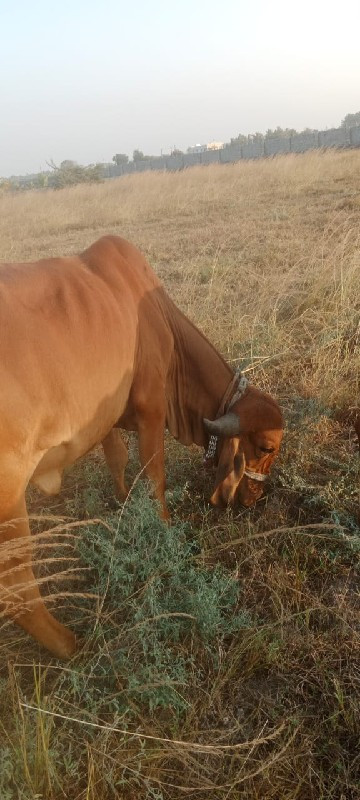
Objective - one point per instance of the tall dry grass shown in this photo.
(265, 258)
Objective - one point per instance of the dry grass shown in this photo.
(265, 258)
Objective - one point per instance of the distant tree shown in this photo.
(256, 137)
(351, 119)
(69, 173)
(68, 164)
(176, 152)
(239, 139)
(120, 158)
(283, 133)
(138, 155)
(40, 180)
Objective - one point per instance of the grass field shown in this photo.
(219, 657)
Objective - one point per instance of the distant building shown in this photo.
(215, 146)
(197, 148)
(202, 148)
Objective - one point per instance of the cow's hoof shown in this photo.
(63, 644)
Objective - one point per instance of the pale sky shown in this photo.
(83, 80)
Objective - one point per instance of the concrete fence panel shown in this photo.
(277, 145)
(175, 162)
(336, 137)
(116, 170)
(142, 166)
(158, 163)
(304, 141)
(129, 168)
(252, 150)
(355, 136)
(210, 157)
(191, 159)
(230, 154)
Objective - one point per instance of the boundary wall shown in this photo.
(299, 143)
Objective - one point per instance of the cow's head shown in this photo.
(248, 440)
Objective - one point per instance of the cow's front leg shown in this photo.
(20, 597)
(151, 427)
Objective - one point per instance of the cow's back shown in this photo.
(69, 338)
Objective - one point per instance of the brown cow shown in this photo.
(91, 343)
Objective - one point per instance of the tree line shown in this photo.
(69, 173)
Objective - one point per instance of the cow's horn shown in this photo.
(228, 425)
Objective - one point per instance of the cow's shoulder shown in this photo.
(114, 256)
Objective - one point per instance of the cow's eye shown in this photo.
(267, 449)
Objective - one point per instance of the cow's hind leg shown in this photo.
(20, 597)
(116, 456)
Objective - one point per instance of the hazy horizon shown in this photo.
(82, 81)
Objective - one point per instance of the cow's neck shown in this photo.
(198, 379)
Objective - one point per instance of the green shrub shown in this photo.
(155, 596)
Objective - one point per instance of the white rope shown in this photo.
(255, 476)
(211, 448)
(243, 383)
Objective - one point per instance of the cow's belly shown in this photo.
(48, 473)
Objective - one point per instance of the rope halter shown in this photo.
(255, 476)
(239, 383)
